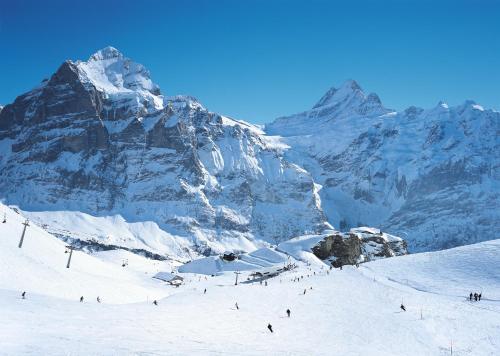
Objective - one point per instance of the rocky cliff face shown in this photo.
(98, 137)
(431, 176)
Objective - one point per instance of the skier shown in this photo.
(23, 295)
(205, 291)
(341, 268)
(479, 296)
(288, 312)
(98, 299)
(155, 302)
(237, 306)
(402, 307)
(265, 283)
(270, 327)
(475, 296)
(81, 299)
(470, 296)
(305, 291)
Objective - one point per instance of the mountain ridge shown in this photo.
(100, 138)
(382, 160)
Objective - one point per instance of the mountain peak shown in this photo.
(350, 84)
(109, 70)
(351, 97)
(108, 52)
(348, 90)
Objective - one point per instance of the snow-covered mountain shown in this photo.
(97, 153)
(431, 176)
(99, 138)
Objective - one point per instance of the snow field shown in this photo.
(350, 312)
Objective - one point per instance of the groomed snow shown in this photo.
(350, 312)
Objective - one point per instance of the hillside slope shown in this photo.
(350, 311)
(39, 268)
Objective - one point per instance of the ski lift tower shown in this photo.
(236, 273)
(70, 249)
(26, 224)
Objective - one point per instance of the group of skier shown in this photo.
(98, 299)
(23, 296)
(270, 327)
(476, 296)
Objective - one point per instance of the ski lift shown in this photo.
(66, 250)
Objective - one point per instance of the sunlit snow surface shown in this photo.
(348, 312)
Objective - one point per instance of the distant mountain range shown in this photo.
(99, 138)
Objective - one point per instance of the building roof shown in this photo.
(167, 277)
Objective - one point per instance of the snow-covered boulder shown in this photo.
(358, 245)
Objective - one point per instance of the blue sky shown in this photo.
(257, 60)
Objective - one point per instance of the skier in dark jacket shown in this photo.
(81, 299)
(288, 312)
(479, 296)
(403, 307)
(270, 327)
(205, 291)
(237, 306)
(98, 300)
(470, 296)
(475, 296)
(155, 302)
(23, 295)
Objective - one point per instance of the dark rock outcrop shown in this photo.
(359, 245)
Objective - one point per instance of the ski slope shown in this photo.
(40, 267)
(350, 312)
